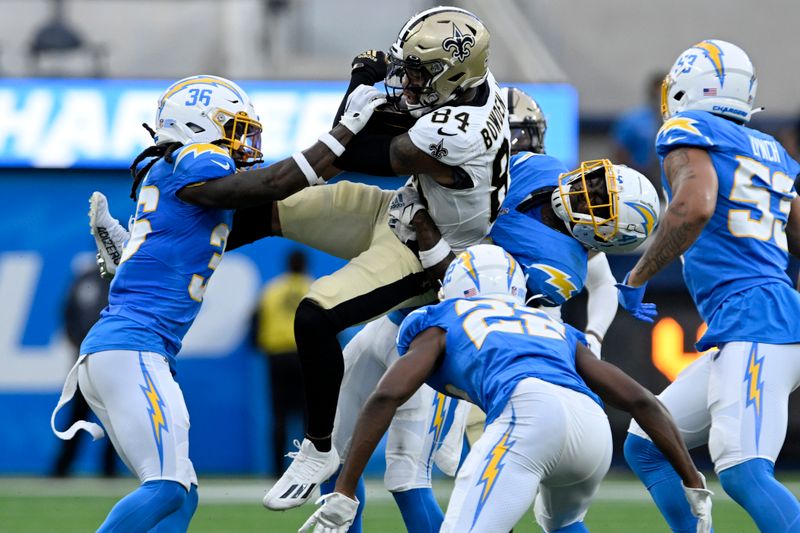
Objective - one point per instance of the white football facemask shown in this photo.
(608, 208)
(484, 270)
(714, 76)
(209, 109)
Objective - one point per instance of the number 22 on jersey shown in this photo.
(486, 316)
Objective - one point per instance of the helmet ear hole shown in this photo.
(194, 127)
(678, 96)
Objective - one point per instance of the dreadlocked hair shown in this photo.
(157, 151)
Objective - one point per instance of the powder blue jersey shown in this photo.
(491, 346)
(554, 262)
(173, 249)
(736, 270)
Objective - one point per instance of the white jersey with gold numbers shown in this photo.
(475, 140)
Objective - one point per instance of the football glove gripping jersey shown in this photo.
(109, 235)
(334, 516)
(360, 105)
(405, 204)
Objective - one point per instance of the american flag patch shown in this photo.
(710, 92)
(469, 293)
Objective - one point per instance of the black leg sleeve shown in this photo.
(323, 367)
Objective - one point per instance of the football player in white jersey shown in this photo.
(429, 426)
(457, 151)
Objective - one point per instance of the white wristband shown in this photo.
(306, 168)
(435, 255)
(332, 143)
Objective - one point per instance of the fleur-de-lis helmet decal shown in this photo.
(447, 48)
(459, 44)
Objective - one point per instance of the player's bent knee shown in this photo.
(311, 319)
(170, 494)
(642, 455)
(738, 481)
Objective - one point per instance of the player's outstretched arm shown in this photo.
(693, 180)
(619, 390)
(401, 381)
(286, 177)
(393, 155)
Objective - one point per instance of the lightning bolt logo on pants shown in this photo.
(494, 465)
(155, 408)
(437, 422)
(754, 379)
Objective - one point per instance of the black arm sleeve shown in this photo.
(357, 78)
(368, 154)
(249, 225)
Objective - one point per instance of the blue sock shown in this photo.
(178, 522)
(361, 493)
(661, 480)
(752, 485)
(575, 527)
(145, 507)
(420, 510)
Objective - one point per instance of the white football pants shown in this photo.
(548, 440)
(141, 408)
(736, 400)
(418, 434)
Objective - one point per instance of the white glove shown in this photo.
(405, 204)
(700, 502)
(336, 515)
(109, 235)
(360, 105)
(594, 344)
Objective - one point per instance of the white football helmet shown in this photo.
(714, 76)
(484, 270)
(209, 109)
(609, 208)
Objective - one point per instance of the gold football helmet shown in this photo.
(438, 55)
(526, 120)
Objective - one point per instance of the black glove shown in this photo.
(370, 66)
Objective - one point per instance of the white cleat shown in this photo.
(109, 235)
(308, 469)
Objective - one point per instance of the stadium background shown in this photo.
(70, 113)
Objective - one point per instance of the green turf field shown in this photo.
(233, 506)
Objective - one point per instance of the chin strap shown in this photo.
(756, 110)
